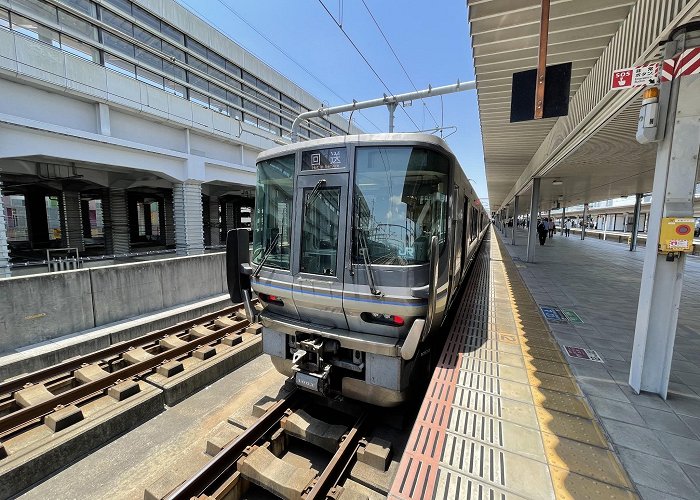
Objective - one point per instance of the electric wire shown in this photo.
(376, 23)
(340, 26)
(280, 49)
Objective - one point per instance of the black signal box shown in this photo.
(557, 85)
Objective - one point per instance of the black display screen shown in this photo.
(322, 159)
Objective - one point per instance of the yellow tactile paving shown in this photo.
(540, 353)
(546, 366)
(585, 459)
(573, 427)
(576, 449)
(553, 382)
(559, 401)
(570, 486)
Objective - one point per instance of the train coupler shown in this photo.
(311, 372)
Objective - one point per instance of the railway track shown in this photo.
(259, 457)
(93, 394)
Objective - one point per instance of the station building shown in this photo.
(131, 127)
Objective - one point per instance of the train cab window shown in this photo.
(400, 203)
(319, 243)
(273, 211)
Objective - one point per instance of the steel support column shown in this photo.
(635, 221)
(672, 196)
(515, 217)
(72, 223)
(532, 227)
(4, 248)
(585, 221)
(189, 225)
(563, 220)
(214, 224)
(116, 222)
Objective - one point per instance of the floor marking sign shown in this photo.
(572, 316)
(553, 314)
(583, 353)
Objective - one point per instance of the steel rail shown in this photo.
(340, 461)
(113, 350)
(223, 465)
(24, 416)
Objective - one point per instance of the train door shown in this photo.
(320, 226)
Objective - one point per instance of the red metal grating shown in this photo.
(418, 470)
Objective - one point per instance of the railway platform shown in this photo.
(509, 413)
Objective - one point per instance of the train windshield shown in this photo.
(273, 208)
(400, 203)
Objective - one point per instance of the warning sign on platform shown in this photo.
(639, 76)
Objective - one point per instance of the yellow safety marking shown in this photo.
(551, 367)
(570, 486)
(553, 382)
(538, 352)
(572, 427)
(580, 461)
(562, 402)
(584, 459)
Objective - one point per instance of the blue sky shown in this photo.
(431, 40)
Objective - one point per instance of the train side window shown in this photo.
(465, 226)
(273, 211)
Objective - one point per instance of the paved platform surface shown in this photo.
(503, 416)
(657, 440)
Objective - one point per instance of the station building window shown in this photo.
(53, 217)
(16, 217)
(32, 29)
(80, 49)
(84, 6)
(120, 65)
(160, 57)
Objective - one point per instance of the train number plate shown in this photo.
(305, 381)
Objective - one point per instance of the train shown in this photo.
(360, 244)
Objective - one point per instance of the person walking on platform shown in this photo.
(551, 227)
(567, 227)
(542, 230)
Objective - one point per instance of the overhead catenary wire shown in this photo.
(352, 42)
(376, 23)
(278, 48)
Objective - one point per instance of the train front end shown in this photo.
(349, 260)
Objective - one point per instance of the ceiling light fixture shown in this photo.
(557, 182)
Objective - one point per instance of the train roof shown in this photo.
(395, 138)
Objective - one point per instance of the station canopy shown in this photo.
(591, 154)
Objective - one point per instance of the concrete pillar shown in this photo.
(214, 224)
(116, 222)
(71, 223)
(169, 216)
(672, 196)
(189, 225)
(515, 217)
(4, 247)
(534, 211)
(585, 221)
(635, 221)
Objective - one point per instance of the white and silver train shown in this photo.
(360, 244)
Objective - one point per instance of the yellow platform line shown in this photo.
(579, 456)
